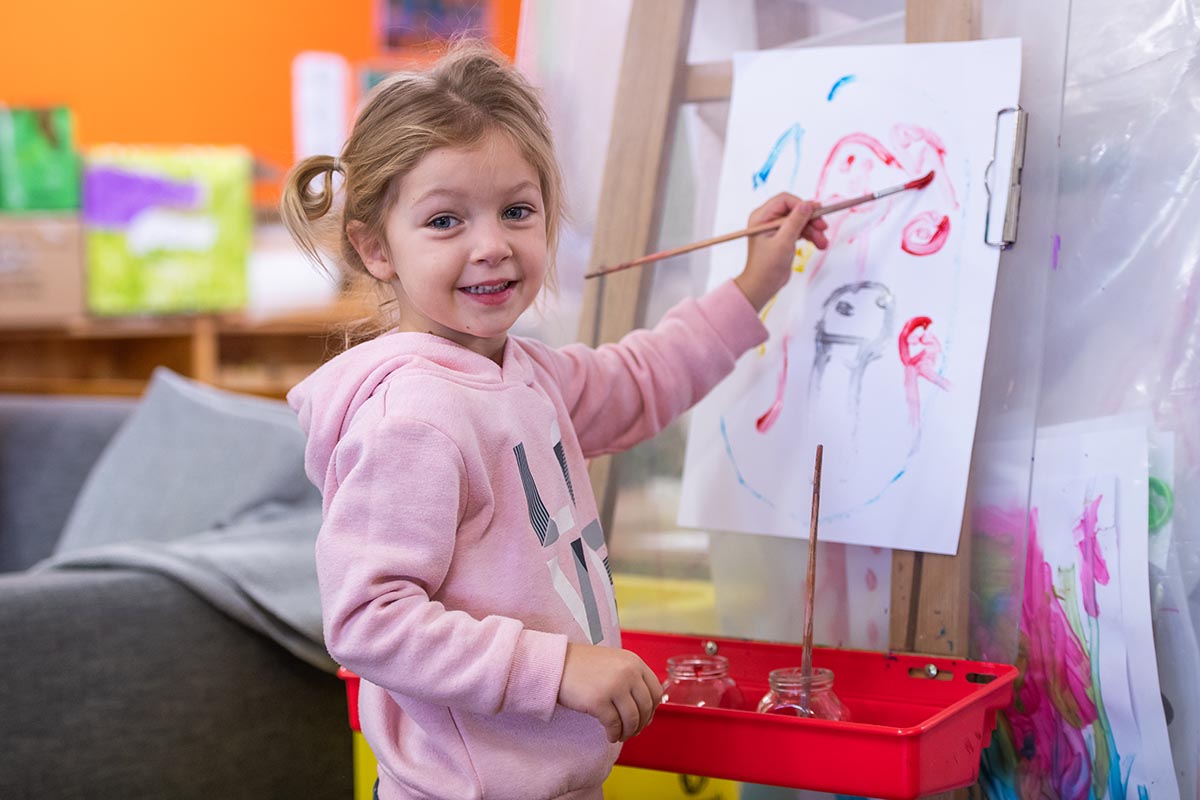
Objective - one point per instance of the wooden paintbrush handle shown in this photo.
(687, 248)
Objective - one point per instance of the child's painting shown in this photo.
(1087, 720)
(877, 344)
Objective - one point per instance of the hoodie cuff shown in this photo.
(537, 669)
(733, 318)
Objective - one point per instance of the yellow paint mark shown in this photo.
(803, 253)
(762, 348)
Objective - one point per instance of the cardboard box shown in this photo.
(41, 269)
(168, 229)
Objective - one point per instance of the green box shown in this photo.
(39, 165)
(168, 229)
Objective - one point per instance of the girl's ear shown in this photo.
(372, 250)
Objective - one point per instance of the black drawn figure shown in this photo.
(854, 330)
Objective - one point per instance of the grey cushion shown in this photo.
(47, 448)
(190, 458)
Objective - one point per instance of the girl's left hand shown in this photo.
(769, 262)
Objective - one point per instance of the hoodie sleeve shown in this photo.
(399, 492)
(624, 393)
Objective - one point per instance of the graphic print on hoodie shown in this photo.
(585, 546)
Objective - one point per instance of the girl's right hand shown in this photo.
(614, 686)
(770, 255)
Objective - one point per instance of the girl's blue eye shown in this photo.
(517, 212)
(442, 223)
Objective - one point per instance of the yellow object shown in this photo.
(366, 769)
(646, 603)
(627, 783)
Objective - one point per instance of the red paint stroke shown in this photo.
(908, 137)
(922, 236)
(841, 161)
(765, 422)
(922, 364)
(849, 171)
(1095, 569)
(873, 632)
(872, 580)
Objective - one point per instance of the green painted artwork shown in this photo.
(168, 230)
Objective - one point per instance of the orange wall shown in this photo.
(164, 72)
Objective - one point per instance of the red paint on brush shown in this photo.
(920, 183)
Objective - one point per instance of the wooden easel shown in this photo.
(930, 593)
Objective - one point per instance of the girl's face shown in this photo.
(466, 244)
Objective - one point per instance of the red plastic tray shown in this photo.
(912, 735)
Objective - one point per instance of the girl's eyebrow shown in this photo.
(439, 192)
(454, 194)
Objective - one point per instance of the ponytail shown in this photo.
(302, 206)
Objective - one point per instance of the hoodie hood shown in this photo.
(327, 400)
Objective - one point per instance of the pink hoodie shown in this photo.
(460, 549)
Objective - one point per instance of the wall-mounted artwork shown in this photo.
(411, 23)
(877, 344)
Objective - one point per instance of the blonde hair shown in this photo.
(468, 93)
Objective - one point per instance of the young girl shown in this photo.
(463, 571)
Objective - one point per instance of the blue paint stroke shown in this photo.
(1054, 255)
(741, 480)
(839, 83)
(1143, 794)
(757, 495)
(796, 134)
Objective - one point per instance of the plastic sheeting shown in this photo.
(1121, 332)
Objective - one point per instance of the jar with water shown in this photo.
(793, 694)
(701, 680)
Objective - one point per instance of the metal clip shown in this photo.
(1002, 178)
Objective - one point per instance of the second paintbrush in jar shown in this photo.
(793, 694)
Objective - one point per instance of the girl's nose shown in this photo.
(491, 244)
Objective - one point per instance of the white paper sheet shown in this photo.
(877, 348)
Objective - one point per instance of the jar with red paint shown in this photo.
(701, 680)
(794, 695)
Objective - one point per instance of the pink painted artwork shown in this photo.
(1059, 738)
(1093, 569)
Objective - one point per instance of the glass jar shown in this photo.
(701, 681)
(794, 695)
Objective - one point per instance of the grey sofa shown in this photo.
(122, 683)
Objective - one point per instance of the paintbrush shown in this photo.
(806, 667)
(766, 227)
